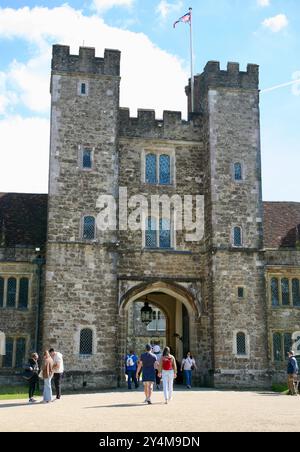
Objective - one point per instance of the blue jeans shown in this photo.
(47, 394)
(188, 377)
(132, 377)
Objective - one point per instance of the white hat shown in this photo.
(156, 349)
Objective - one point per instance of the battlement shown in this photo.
(172, 126)
(231, 78)
(86, 62)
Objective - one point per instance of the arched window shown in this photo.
(277, 347)
(151, 169)
(20, 352)
(11, 292)
(164, 234)
(237, 236)
(86, 342)
(89, 229)
(238, 172)
(296, 292)
(285, 289)
(87, 162)
(1, 292)
(23, 293)
(151, 233)
(165, 170)
(241, 347)
(9, 348)
(275, 291)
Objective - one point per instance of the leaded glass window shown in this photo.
(87, 158)
(151, 169)
(151, 233)
(296, 292)
(11, 292)
(23, 293)
(1, 292)
(8, 357)
(89, 229)
(237, 236)
(275, 292)
(164, 234)
(20, 352)
(238, 174)
(241, 292)
(241, 344)
(288, 343)
(164, 170)
(277, 347)
(285, 289)
(86, 342)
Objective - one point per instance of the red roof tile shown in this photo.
(281, 224)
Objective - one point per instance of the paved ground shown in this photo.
(193, 411)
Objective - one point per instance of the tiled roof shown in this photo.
(281, 224)
(23, 219)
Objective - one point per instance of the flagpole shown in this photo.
(192, 62)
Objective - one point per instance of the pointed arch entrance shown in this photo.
(177, 305)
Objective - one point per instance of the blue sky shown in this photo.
(155, 68)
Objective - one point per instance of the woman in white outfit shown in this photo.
(168, 372)
(187, 366)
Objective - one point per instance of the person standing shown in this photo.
(292, 371)
(187, 366)
(158, 354)
(147, 363)
(32, 375)
(168, 372)
(131, 368)
(58, 369)
(47, 373)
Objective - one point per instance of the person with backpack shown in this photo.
(292, 371)
(131, 361)
(168, 372)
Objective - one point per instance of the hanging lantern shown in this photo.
(146, 314)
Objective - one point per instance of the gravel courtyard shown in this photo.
(119, 411)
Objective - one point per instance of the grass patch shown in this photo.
(14, 392)
(281, 389)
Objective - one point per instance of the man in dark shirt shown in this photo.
(148, 362)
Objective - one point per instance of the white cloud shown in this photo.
(264, 3)
(103, 5)
(8, 98)
(25, 155)
(164, 8)
(151, 77)
(276, 23)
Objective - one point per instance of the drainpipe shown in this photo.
(39, 261)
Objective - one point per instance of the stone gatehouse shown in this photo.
(232, 297)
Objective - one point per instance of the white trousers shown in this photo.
(168, 382)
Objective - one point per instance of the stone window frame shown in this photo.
(6, 276)
(243, 172)
(157, 311)
(247, 337)
(172, 233)
(15, 337)
(280, 277)
(282, 334)
(87, 88)
(83, 216)
(158, 151)
(233, 238)
(241, 286)
(77, 341)
(81, 148)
